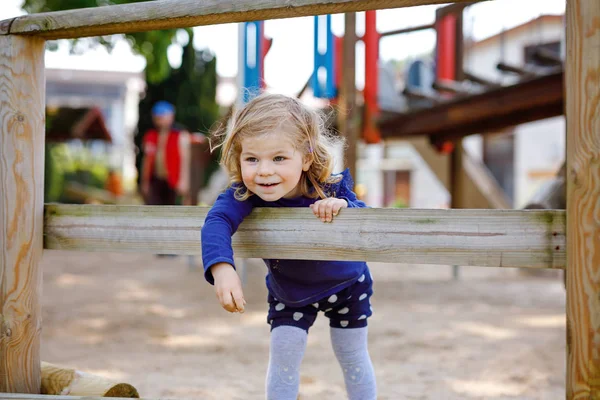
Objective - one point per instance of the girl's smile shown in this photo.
(272, 167)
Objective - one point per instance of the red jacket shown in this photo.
(172, 155)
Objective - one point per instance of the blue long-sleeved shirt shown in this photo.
(296, 283)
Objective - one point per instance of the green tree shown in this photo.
(152, 45)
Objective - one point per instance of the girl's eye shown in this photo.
(279, 158)
(251, 159)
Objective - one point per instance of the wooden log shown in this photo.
(168, 14)
(498, 238)
(583, 194)
(18, 396)
(22, 105)
(58, 380)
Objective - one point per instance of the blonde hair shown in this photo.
(283, 115)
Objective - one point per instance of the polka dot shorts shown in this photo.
(349, 308)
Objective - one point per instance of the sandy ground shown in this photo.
(153, 322)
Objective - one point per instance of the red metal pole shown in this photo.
(371, 38)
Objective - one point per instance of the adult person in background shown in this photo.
(166, 162)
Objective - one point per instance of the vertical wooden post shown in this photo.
(457, 187)
(22, 111)
(347, 113)
(583, 199)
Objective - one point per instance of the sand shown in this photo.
(155, 323)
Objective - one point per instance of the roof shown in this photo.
(76, 123)
(542, 19)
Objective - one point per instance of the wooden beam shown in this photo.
(453, 86)
(524, 72)
(498, 238)
(407, 30)
(347, 99)
(22, 107)
(583, 194)
(547, 55)
(480, 80)
(457, 7)
(305, 87)
(416, 93)
(18, 396)
(168, 14)
(457, 176)
(491, 111)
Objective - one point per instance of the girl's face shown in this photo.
(272, 167)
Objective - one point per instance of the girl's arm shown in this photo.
(220, 224)
(217, 255)
(346, 191)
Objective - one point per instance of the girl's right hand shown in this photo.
(228, 287)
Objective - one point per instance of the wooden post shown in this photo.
(457, 187)
(583, 194)
(199, 159)
(347, 113)
(22, 110)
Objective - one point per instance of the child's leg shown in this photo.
(348, 321)
(289, 330)
(283, 374)
(350, 347)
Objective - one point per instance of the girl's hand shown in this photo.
(326, 209)
(228, 287)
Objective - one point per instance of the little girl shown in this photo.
(278, 154)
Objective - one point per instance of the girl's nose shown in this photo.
(265, 168)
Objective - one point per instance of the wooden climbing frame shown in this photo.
(510, 238)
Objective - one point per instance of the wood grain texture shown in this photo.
(57, 380)
(495, 238)
(346, 113)
(11, 396)
(22, 104)
(164, 14)
(583, 199)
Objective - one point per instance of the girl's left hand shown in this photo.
(326, 209)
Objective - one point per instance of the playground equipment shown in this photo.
(253, 48)
(500, 238)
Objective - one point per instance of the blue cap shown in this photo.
(162, 108)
